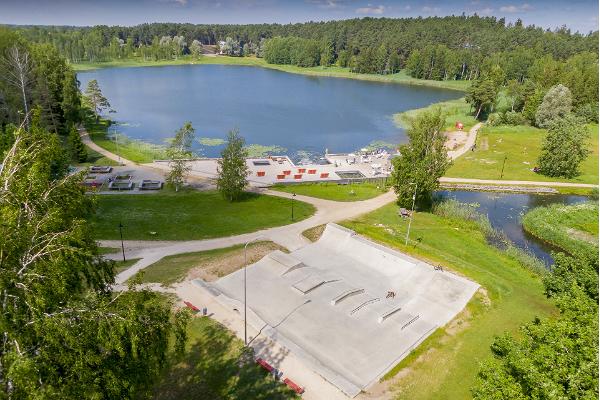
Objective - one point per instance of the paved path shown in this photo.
(289, 236)
(85, 138)
(468, 143)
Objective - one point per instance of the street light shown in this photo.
(121, 234)
(293, 195)
(411, 213)
(245, 307)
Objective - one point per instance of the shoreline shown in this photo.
(329, 72)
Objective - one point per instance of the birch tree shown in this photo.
(19, 69)
(179, 153)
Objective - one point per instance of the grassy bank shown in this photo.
(210, 369)
(133, 150)
(208, 265)
(521, 145)
(190, 215)
(334, 191)
(445, 365)
(572, 228)
(455, 110)
(401, 77)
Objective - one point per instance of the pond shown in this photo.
(505, 210)
(290, 113)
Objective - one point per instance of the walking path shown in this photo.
(469, 143)
(289, 236)
(87, 140)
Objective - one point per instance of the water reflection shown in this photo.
(505, 211)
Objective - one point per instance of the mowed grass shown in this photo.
(334, 191)
(445, 365)
(455, 111)
(210, 264)
(133, 150)
(521, 145)
(190, 215)
(210, 369)
(95, 158)
(573, 228)
(401, 77)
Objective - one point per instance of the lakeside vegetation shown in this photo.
(454, 110)
(334, 191)
(521, 145)
(445, 365)
(401, 77)
(572, 228)
(190, 215)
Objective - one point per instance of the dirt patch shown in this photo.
(455, 139)
(484, 144)
(313, 234)
(580, 235)
(217, 267)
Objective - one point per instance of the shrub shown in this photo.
(588, 112)
(557, 103)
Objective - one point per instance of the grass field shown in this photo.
(209, 369)
(208, 265)
(190, 215)
(455, 110)
(336, 72)
(445, 365)
(95, 158)
(133, 150)
(334, 191)
(521, 145)
(121, 266)
(572, 228)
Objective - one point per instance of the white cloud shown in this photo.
(428, 9)
(327, 4)
(485, 11)
(178, 2)
(511, 8)
(370, 9)
(407, 7)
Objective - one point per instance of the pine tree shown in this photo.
(96, 99)
(78, 150)
(232, 170)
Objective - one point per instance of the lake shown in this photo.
(299, 114)
(505, 210)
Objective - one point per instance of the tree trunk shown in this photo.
(478, 111)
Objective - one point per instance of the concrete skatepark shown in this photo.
(349, 308)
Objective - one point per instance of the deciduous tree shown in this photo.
(179, 153)
(232, 170)
(422, 161)
(556, 104)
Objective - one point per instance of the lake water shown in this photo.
(505, 210)
(295, 112)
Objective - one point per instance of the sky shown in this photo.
(578, 15)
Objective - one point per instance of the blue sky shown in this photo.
(581, 15)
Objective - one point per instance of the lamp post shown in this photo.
(121, 234)
(115, 135)
(245, 307)
(411, 213)
(293, 195)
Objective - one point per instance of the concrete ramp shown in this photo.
(349, 308)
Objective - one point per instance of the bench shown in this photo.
(265, 365)
(325, 175)
(298, 176)
(301, 170)
(293, 386)
(312, 171)
(260, 173)
(281, 176)
(191, 306)
(100, 169)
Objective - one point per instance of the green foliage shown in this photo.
(564, 148)
(66, 334)
(557, 103)
(588, 112)
(96, 99)
(482, 96)
(232, 169)
(507, 118)
(292, 50)
(78, 150)
(422, 161)
(179, 152)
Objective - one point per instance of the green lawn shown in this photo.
(446, 364)
(572, 228)
(213, 263)
(95, 158)
(521, 145)
(209, 369)
(133, 150)
(455, 110)
(190, 215)
(121, 266)
(334, 191)
(333, 71)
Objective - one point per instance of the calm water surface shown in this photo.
(506, 209)
(296, 112)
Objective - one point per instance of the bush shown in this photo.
(588, 112)
(557, 103)
(507, 118)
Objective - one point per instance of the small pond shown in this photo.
(505, 210)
